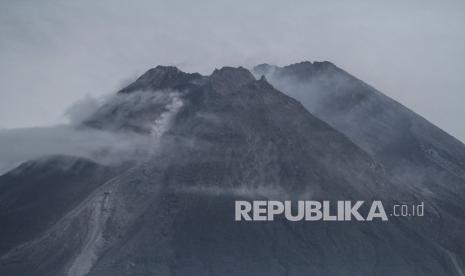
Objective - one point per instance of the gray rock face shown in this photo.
(218, 139)
(39, 193)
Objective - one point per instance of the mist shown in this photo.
(20, 145)
(113, 145)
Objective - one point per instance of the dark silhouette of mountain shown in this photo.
(217, 139)
(37, 194)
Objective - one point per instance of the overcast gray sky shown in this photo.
(53, 53)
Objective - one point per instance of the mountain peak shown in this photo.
(230, 78)
(237, 73)
(264, 69)
(308, 67)
(300, 70)
(161, 77)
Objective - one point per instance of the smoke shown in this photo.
(346, 103)
(20, 145)
(107, 146)
(264, 190)
(82, 109)
(162, 123)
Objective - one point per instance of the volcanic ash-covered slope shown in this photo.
(418, 157)
(216, 139)
(375, 122)
(38, 193)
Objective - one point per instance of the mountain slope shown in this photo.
(415, 154)
(38, 193)
(372, 120)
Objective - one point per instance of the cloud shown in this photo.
(20, 145)
(54, 52)
(82, 109)
(107, 146)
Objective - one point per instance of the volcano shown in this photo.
(308, 131)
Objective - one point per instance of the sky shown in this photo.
(54, 53)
